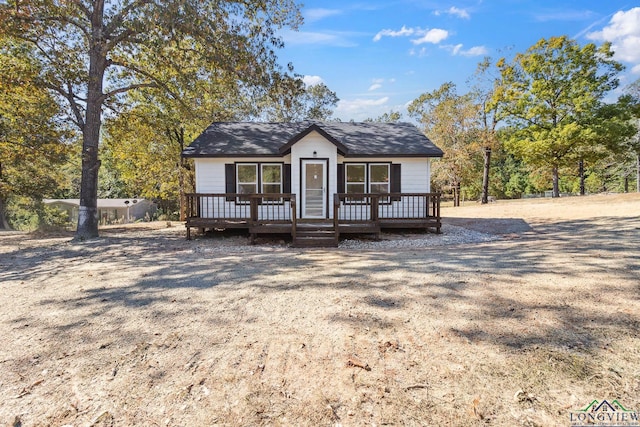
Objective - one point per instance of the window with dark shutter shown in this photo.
(230, 180)
(341, 178)
(396, 184)
(286, 178)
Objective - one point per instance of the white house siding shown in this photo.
(210, 175)
(304, 149)
(210, 178)
(415, 178)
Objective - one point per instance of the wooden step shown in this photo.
(315, 235)
(315, 242)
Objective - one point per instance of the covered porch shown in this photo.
(278, 213)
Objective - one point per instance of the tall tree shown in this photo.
(548, 91)
(451, 120)
(612, 128)
(633, 143)
(96, 50)
(488, 95)
(290, 100)
(32, 141)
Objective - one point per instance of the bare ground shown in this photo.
(142, 327)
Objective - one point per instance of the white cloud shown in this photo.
(360, 109)
(377, 83)
(312, 80)
(359, 105)
(419, 53)
(313, 15)
(317, 38)
(474, 51)
(435, 36)
(623, 31)
(404, 31)
(460, 13)
(457, 50)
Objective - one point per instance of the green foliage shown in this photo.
(451, 121)
(94, 52)
(551, 93)
(390, 117)
(27, 214)
(32, 141)
(289, 100)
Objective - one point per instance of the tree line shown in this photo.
(541, 115)
(127, 81)
(98, 98)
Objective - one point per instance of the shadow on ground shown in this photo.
(441, 278)
(491, 225)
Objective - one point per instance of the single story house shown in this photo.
(110, 211)
(284, 177)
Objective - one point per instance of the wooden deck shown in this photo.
(364, 213)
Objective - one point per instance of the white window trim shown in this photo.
(346, 176)
(387, 182)
(238, 183)
(262, 182)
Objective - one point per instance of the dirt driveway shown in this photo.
(142, 327)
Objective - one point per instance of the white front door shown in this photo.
(314, 188)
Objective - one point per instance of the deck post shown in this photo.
(336, 217)
(253, 213)
(294, 216)
(436, 210)
(374, 214)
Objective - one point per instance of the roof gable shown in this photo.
(314, 127)
(249, 139)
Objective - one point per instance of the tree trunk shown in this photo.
(556, 181)
(183, 207)
(626, 184)
(485, 175)
(638, 173)
(4, 225)
(456, 194)
(88, 212)
(581, 173)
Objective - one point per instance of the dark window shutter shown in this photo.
(230, 180)
(341, 178)
(396, 184)
(286, 178)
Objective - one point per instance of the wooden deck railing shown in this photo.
(265, 212)
(351, 207)
(234, 210)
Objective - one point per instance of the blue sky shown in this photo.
(380, 55)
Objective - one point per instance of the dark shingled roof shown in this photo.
(247, 139)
